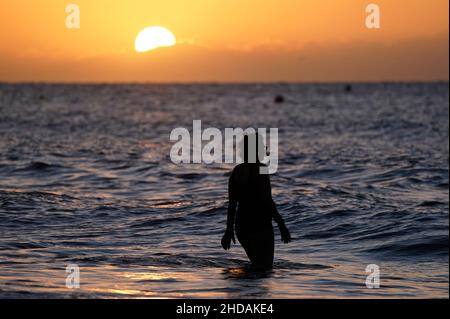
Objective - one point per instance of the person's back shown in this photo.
(252, 192)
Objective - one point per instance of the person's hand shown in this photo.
(226, 239)
(285, 235)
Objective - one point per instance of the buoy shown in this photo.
(279, 99)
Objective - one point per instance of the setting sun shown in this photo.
(152, 38)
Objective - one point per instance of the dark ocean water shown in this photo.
(86, 179)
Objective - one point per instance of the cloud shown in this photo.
(419, 59)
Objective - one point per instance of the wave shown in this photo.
(433, 246)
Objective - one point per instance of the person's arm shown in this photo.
(285, 235)
(231, 213)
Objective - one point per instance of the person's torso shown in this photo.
(253, 210)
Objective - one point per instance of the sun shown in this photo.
(152, 38)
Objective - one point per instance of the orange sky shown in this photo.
(225, 40)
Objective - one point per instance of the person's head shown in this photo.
(252, 148)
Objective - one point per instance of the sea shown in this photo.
(92, 205)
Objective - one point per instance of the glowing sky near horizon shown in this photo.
(225, 40)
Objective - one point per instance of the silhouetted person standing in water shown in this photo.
(250, 192)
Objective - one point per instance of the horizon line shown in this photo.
(221, 82)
